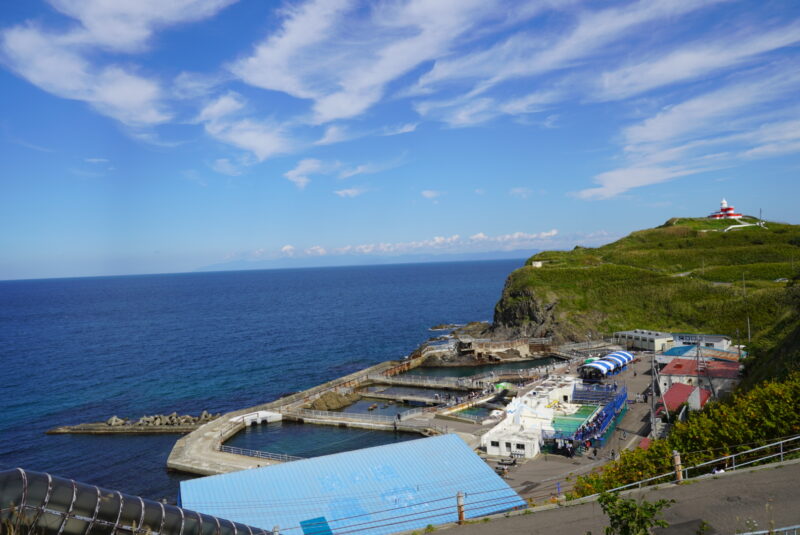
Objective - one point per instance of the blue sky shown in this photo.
(141, 136)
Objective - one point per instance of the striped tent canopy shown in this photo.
(602, 366)
(611, 362)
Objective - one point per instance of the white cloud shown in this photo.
(430, 194)
(350, 192)
(522, 193)
(525, 54)
(59, 61)
(400, 129)
(695, 60)
(480, 236)
(713, 130)
(226, 167)
(223, 122)
(95, 160)
(43, 59)
(316, 251)
(127, 25)
(342, 55)
(334, 134)
(221, 107)
(288, 250)
(304, 168)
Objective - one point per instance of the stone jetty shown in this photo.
(158, 423)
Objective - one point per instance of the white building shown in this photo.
(644, 340)
(529, 417)
(716, 341)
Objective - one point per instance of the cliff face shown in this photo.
(521, 313)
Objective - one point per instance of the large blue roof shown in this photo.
(378, 490)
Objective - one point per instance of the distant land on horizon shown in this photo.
(321, 262)
(365, 260)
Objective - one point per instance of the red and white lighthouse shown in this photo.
(725, 212)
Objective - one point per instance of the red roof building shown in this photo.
(679, 393)
(722, 375)
(725, 212)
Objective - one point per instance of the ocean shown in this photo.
(84, 349)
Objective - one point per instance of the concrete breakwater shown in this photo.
(199, 452)
(158, 423)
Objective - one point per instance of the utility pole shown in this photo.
(653, 395)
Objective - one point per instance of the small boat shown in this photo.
(372, 407)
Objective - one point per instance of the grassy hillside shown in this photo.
(686, 275)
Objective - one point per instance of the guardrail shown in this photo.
(420, 380)
(788, 530)
(331, 415)
(282, 457)
(784, 447)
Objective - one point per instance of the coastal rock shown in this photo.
(331, 401)
(520, 312)
(114, 421)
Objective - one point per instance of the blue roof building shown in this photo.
(378, 490)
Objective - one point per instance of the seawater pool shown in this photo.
(469, 371)
(312, 440)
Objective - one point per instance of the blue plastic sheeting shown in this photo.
(381, 490)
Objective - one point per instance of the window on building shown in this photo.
(508, 445)
(495, 443)
(520, 446)
(709, 344)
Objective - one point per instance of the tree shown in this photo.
(629, 517)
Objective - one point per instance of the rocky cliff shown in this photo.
(686, 275)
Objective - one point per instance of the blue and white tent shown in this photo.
(611, 362)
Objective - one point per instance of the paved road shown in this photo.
(731, 502)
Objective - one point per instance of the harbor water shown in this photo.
(81, 350)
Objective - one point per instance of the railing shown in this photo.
(522, 373)
(418, 380)
(788, 530)
(331, 415)
(785, 447)
(282, 457)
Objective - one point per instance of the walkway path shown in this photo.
(732, 502)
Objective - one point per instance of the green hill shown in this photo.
(686, 275)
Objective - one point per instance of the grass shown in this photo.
(685, 275)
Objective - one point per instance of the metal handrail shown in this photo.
(793, 530)
(282, 457)
(342, 415)
(685, 472)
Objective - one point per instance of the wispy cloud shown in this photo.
(61, 61)
(226, 167)
(430, 194)
(522, 193)
(303, 170)
(694, 60)
(350, 192)
(713, 130)
(262, 138)
(95, 160)
(312, 57)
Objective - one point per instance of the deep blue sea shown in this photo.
(83, 349)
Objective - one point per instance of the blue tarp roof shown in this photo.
(378, 490)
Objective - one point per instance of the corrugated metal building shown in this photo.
(379, 490)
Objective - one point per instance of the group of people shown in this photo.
(592, 430)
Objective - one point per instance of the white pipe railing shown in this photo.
(282, 457)
(782, 446)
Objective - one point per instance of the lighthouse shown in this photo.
(725, 212)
